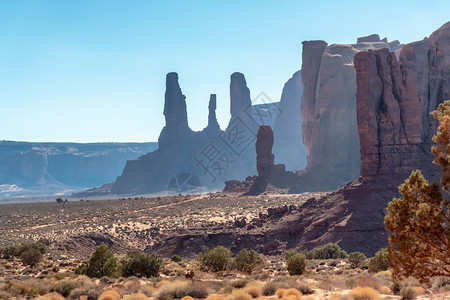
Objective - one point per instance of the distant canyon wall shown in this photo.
(71, 164)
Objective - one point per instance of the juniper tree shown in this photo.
(418, 221)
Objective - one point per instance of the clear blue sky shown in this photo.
(91, 70)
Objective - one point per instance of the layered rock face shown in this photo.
(395, 99)
(288, 146)
(328, 109)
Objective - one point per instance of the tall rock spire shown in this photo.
(213, 125)
(239, 95)
(175, 103)
(177, 127)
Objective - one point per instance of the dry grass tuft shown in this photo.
(240, 295)
(419, 290)
(292, 294)
(109, 295)
(385, 290)
(364, 293)
(217, 297)
(161, 283)
(280, 293)
(255, 291)
(187, 298)
(52, 296)
(368, 281)
(135, 296)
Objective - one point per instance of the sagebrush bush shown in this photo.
(217, 259)
(66, 286)
(296, 264)
(92, 293)
(247, 261)
(328, 251)
(357, 259)
(379, 261)
(141, 265)
(269, 288)
(440, 283)
(364, 293)
(368, 281)
(254, 290)
(408, 293)
(178, 290)
(27, 288)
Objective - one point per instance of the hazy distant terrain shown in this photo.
(41, 169)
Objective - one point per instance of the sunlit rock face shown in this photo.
(328, 108)
(394, 103)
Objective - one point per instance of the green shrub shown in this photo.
(31, 257)
(328, 251)
(356, 259)
(379, 261)
(175, 258)
(141, 265)
(247, 261)
(16, 251)
(217, 259)
(9, 252)
(296, 264)
(289, 253)
(101, 263)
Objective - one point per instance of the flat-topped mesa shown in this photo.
(264, 156)
(175, 113)
(373, 38)
(394, 102)
(239, 95)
